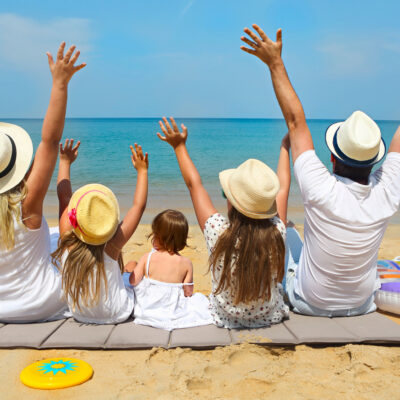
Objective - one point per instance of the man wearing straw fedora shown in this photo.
(347, 212)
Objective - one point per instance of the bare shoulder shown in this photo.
(144, 256)
(186, 262)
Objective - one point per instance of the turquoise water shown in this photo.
(214, 144)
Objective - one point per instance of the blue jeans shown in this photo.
(300, 306)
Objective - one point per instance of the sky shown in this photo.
(182, 57)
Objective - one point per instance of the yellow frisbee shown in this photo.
(56, 373)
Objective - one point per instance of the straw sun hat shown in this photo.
(251, 188)
(357, 141)
(16, 152)
(93, 212)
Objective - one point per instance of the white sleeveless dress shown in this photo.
(30, 286)
(115, 305)
(163, 305)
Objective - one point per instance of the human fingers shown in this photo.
(74, 57)
(163, 128)
(279, 36)
(50, 59)
(139, 151)
(163, 138)
(248, 50)
(61, 148)
(174, 125)
(68, 54)
(252, 35)
(249, 42)
(71, 143)
(134, 155)
(146, 159)
(77, 68)
(76, 146)
(184, 130)
(60, 53)
(260, 32)
(169, 129)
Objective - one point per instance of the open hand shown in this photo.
(188, 290)
(172, 134)
(264, 48)
(139, 161)
(63, 68)
(69, 152)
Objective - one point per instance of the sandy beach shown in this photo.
(233, 372)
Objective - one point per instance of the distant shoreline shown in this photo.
(342, 118)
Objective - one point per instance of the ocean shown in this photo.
(214, 145)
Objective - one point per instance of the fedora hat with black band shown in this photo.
(356, 142)
(16, 151)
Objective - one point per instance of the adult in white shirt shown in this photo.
(30, 286)
(346, 212)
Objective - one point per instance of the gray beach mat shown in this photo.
(275, 334)
(371, 328)
(131, 336)
(27, 335)
(206, 336)
(73, 334)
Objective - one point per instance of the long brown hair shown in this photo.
(10, 207)
(83, 270)
(253, 254)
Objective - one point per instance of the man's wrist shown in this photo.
(276, 64)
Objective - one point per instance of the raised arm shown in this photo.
(283, 173)
(202, 203)
(39, 176)
(270, 53)
(395, 143)
(68, 154)
(132, 218)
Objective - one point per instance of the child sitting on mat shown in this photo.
(247, 250)
(91, 240)
(163, 279)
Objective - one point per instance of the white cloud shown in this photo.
(24, 41)
(187, 7)
(358, 56)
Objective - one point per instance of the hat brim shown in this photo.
(73, 202)
(329, 135)
(224, 177)
(24, 147)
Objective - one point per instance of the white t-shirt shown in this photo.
(254, 314)
(30, 286)
(344, 226)
(114, 306)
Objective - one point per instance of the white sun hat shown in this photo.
(357, 141)
(16, 152)
(251, 188)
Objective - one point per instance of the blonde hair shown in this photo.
(83, 270)
(10, 208)
(253, 254)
